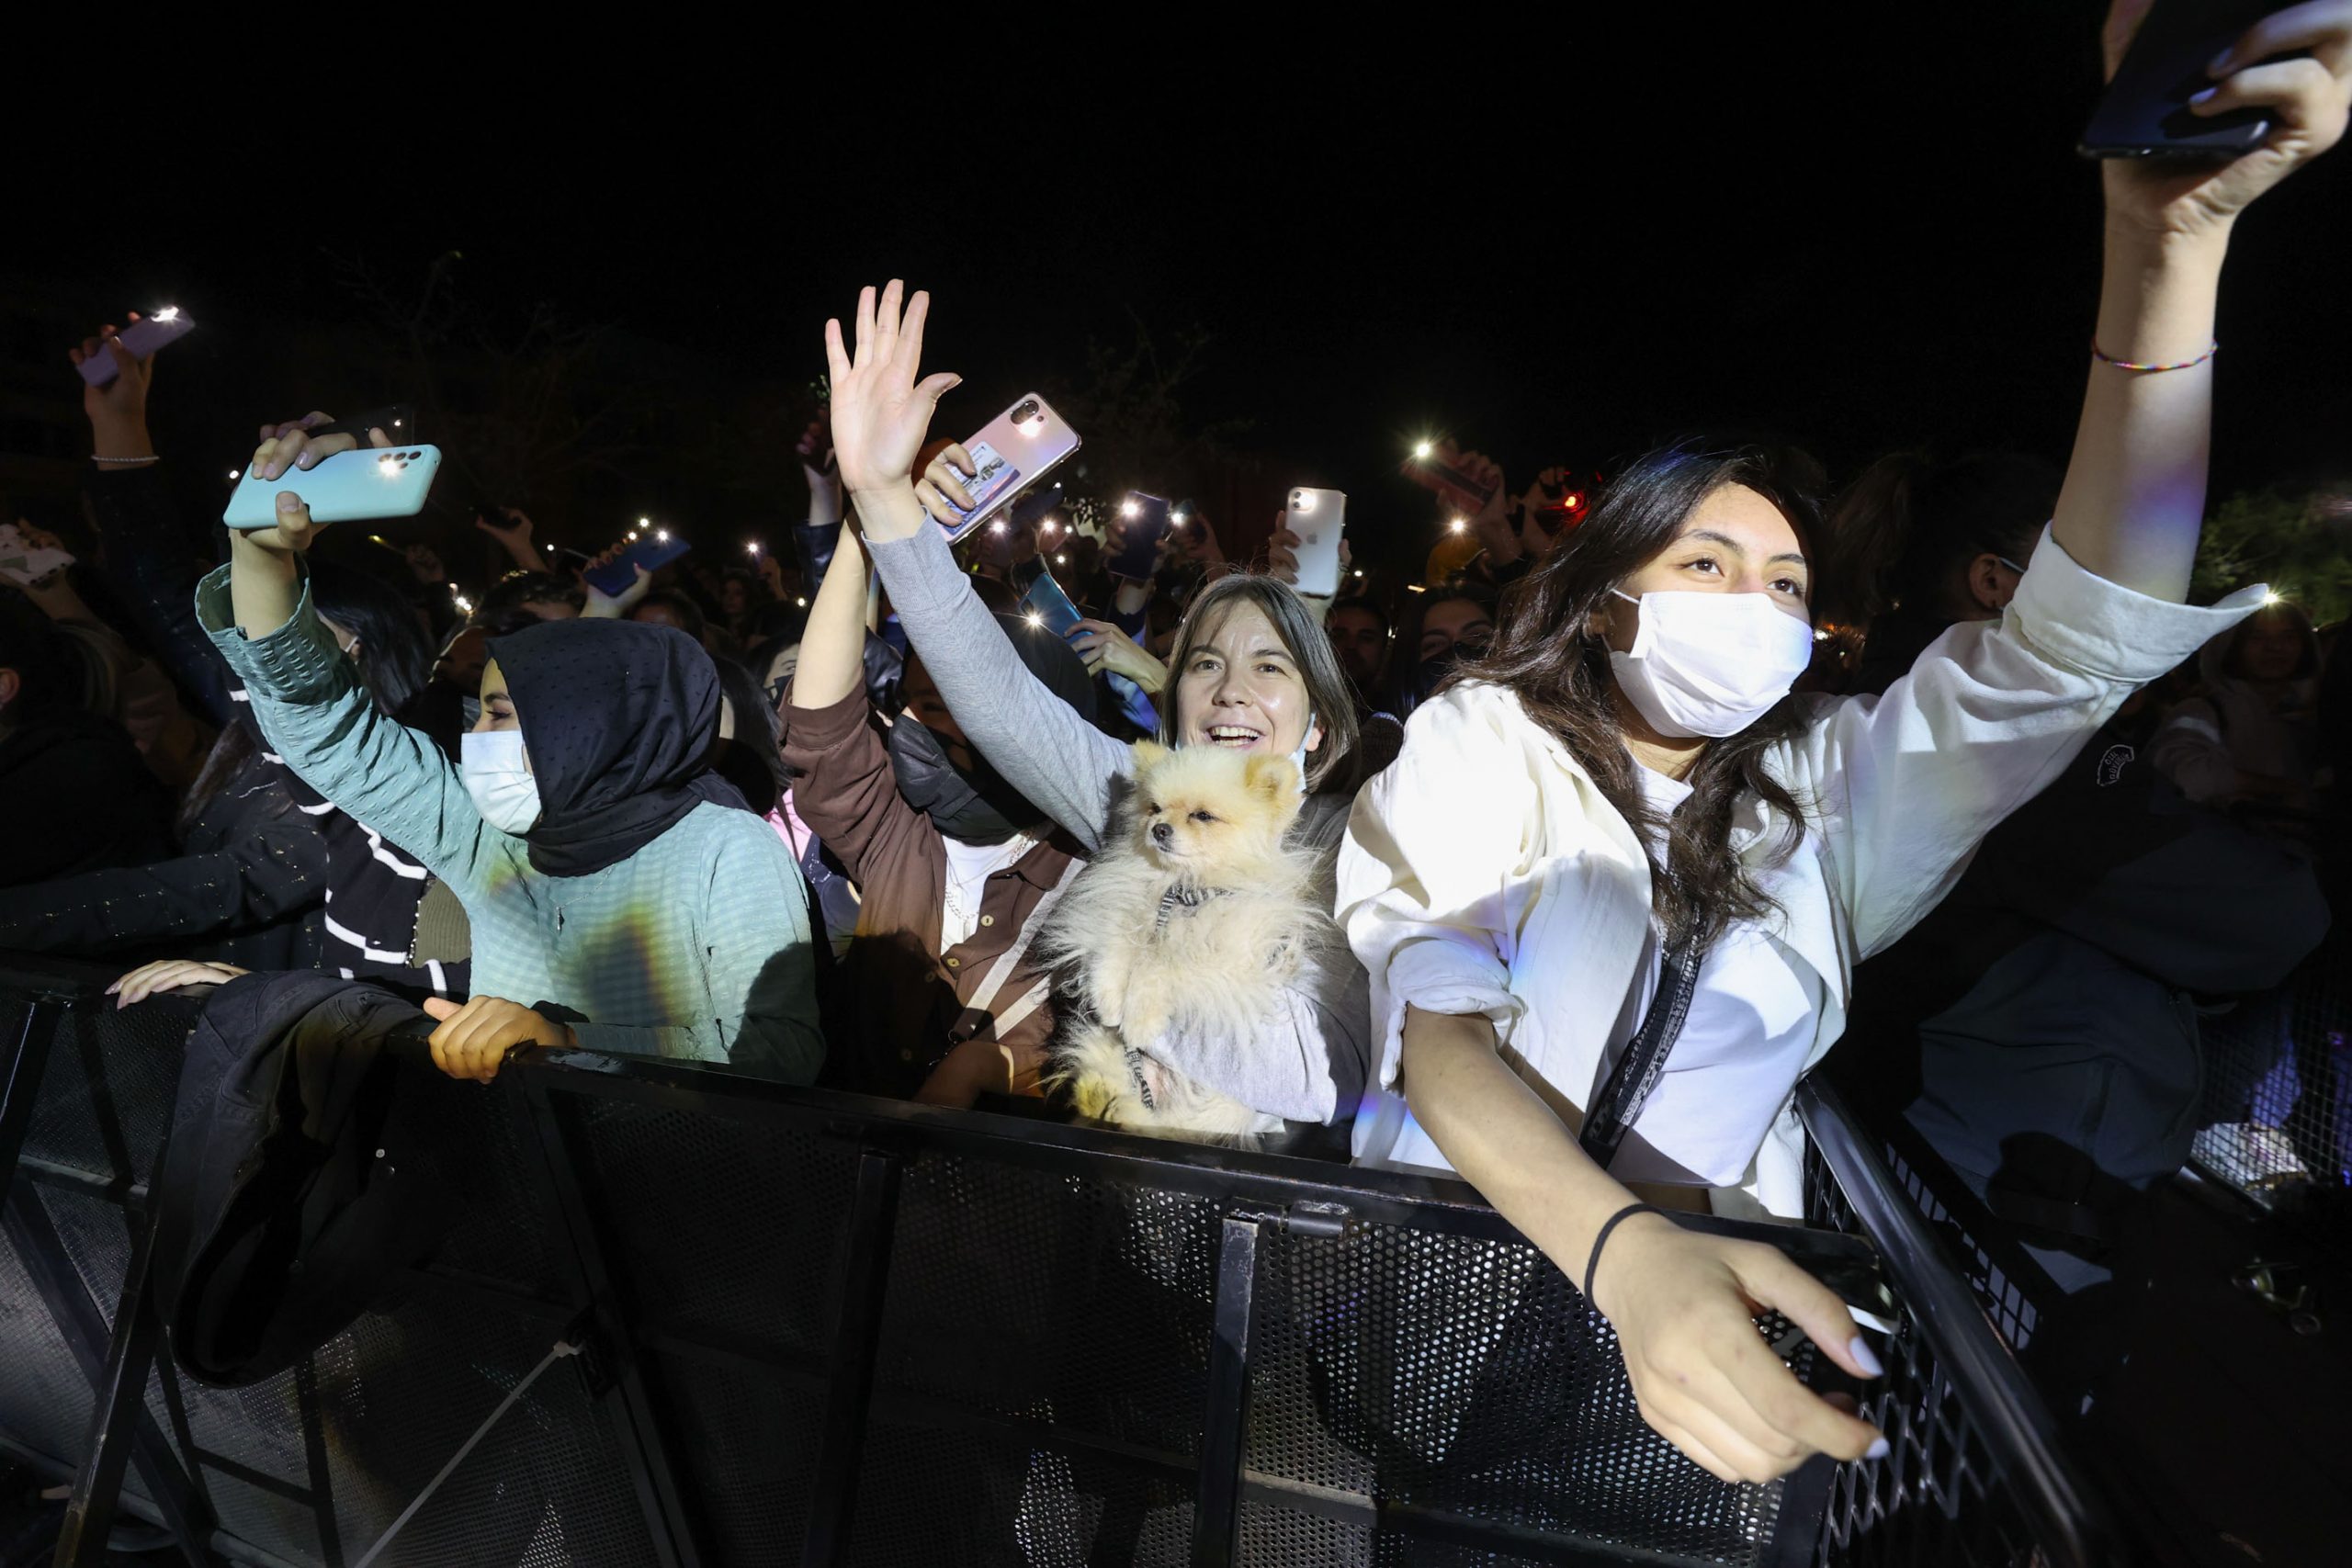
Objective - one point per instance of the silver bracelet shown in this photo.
(150, 459)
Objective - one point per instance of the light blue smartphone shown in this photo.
(350, 487)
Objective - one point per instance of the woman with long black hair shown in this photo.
(1611, 893)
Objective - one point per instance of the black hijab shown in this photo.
(617, 717)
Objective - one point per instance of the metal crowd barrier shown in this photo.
(822, 1329)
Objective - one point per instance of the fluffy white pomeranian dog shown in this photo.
(1193, 916)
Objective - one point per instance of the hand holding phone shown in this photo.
(647, 546)
(1315, 522)
(344, 487)
(2148, 110)
(142, 338)
(971, 483)
(1440, 467)
(1143, 527)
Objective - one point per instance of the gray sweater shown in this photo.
(1306, 1060)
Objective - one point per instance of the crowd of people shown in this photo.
(1606, 841)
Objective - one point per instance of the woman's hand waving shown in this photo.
(881, 412)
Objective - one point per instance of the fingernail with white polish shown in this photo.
(1864, 1357)
(1878, 1450)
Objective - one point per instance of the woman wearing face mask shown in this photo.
(951, 861)
(1251, 667)
(620, 898)
(1611, 893)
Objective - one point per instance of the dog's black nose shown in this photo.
(1164, 834)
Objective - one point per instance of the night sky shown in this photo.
(1862, 227)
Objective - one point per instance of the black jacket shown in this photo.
(248, 886)
(300, 1173)
(74, 797)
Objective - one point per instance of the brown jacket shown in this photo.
(901, 993)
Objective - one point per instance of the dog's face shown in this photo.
(1205, 813)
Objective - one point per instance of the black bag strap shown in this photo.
(1630, 1082)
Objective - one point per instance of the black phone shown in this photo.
(2145, 111)
(1144, 522)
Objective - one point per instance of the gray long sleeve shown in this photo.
(1060, 763)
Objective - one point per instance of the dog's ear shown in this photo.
(1149, 754)
(1273, 777)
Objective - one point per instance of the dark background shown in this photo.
(1862, 225)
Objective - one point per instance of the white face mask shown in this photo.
(504, 790)
(1711, 664)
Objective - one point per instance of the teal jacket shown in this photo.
(696, 947)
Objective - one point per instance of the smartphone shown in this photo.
(1047, 605)
(1143, 521)
(1013, 451)
(24, 564)
(1431, 467)
(653, 549)
(1318, 517)
(2145, 111)
(143, 337)
(342, 488)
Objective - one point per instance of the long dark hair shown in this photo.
(1546, 653)
(395, 659)
(1908, 525)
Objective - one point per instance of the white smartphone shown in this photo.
(360, 484)
(1020, 446)
(1318, 517)
(22, 563)
(144, 336)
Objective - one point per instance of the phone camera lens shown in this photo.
(1026, 412)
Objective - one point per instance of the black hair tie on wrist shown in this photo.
(1619, 1217)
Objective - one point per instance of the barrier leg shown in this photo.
(20, 1076)
(571, 1173)
(117, 1365)
(1216, 1510)
(857, 1340)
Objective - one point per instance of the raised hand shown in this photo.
(2308, 101)
(881, 412)
(117, 411)
(1104, 647)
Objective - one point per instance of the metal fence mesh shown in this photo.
(2277, 1102)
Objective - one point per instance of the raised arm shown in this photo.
(881, 412)
(2135, 495)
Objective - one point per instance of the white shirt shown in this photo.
(968, 868)
(1483, 872)
(1753, 1015)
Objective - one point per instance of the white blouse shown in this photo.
(1483, 872)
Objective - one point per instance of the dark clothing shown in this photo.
(300, 1179)
(153, 568)
(902, 993)
(2050, 996)
(76, 796)
(247, 887)
(618, 720)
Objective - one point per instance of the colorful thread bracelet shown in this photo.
(2105, 358)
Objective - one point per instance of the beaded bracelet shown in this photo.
(150, 459)
(2105, 358)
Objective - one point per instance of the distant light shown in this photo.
(1050, 525)
(396, 424)
(1572, 500)
(168, 313)
(997, 526)
(664, 536)
(234, 472)
(1822, 636)
(1060, 561)
(1458, 524)
(645, 522)
(1359, 571)
(802, 602)
(751, 546)
(1414, 588)
(1421, 449)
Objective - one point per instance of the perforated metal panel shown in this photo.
(2278, 1104)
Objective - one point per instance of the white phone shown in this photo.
(143, 337)
(1020, 446)
(361, 483)
(1319, 517)
(22, 563)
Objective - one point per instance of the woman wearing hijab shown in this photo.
(620, 898)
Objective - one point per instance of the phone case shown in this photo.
(2145, 112)
(361, 483)
(1012, 454)
(652, 552)
(143, 338)
(1050, 607)
(23, 565)
(1139, 556)
(1319, 517)
(1436, 474)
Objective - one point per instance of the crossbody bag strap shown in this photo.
(976, 1015)
(1630, 1081)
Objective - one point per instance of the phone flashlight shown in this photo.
(664, 536)
(1035, 619)
(645, 522)
(234, 472)
(997, 526)
(1457, 526)
(751, 546)
(1422, 449)
(1131, 508)
(168, 313)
